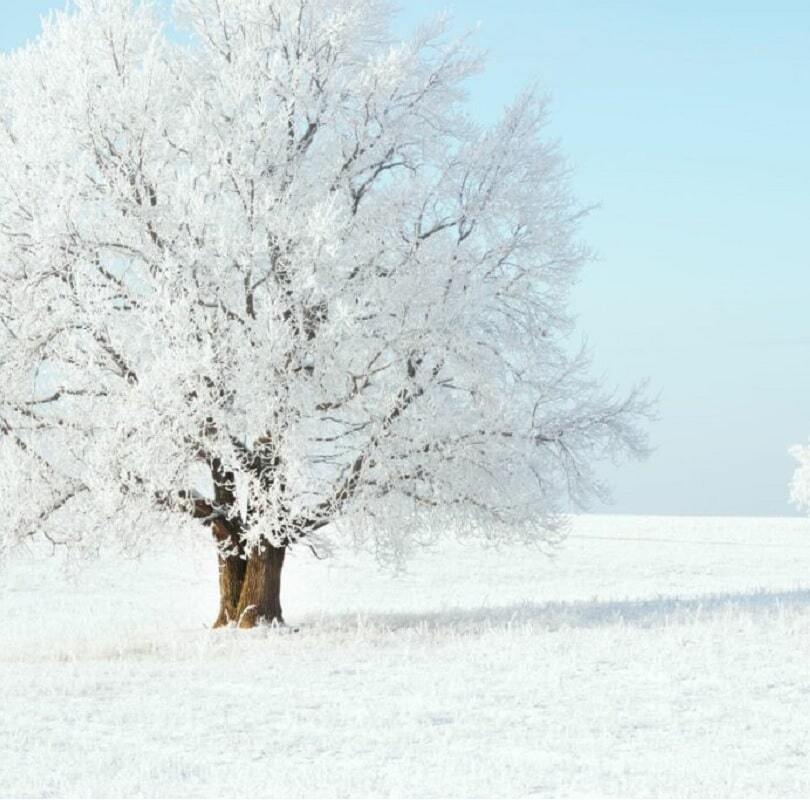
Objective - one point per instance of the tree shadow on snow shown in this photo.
(642, 613)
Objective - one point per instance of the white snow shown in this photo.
(650, 656)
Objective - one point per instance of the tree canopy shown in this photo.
(273, 276)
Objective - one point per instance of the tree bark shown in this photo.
(232, 569)
(260, 599)
(231, 579)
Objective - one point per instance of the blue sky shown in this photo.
(688, 122)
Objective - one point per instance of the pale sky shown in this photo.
(688, 122)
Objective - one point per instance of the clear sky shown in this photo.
(688, 122)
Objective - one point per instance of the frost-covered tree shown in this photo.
(800, 484)
(266, 274)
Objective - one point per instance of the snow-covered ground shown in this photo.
(650, 656)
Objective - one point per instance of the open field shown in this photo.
(660, 656)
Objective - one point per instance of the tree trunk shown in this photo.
(232, 569)
(260, 599)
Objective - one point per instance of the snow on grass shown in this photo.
(650, 656)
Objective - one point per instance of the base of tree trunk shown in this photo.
(260, 598)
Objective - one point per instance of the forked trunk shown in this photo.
(260, 598)
(249, 583)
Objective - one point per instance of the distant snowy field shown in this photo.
(650, 656)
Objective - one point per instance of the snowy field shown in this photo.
(650, 656)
